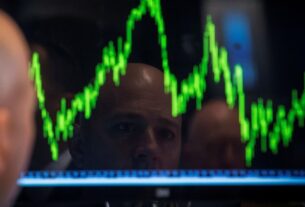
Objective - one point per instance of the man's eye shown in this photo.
(124, 127)
(166, 134)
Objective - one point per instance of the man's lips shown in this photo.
(141, 163)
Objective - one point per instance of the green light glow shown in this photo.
(272, 126)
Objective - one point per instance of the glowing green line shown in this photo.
(271, 126)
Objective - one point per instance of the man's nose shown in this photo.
(147, 146)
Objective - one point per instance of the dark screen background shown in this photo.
(76, 31)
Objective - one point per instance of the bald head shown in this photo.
(214, 138)
(16, 107)
(13, 58)
(141, 82)
(215, 120)
(132, 126)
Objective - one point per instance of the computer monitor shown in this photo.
(228, 123)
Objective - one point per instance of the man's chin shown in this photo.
(138, 165)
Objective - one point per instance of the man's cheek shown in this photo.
(171, 154)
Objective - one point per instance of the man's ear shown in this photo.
(4, 138)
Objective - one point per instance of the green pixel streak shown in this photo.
(271, 126)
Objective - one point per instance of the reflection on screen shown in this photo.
(154, 120)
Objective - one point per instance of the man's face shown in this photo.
(134, 130)
(214, 140)
(218, 151)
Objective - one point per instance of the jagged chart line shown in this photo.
(271, 126)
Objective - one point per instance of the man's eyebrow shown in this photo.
(131, 115)
(125, 116)
(169, 122)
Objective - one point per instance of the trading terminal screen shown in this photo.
(165, 93)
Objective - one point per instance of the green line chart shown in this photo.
(272, 125)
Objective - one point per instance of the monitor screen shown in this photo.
(167, 97)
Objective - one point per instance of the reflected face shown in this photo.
(221, 152)
(133, 128)
(214, 140)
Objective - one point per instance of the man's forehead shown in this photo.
(144, 115)
(155, 101)
(145, 104)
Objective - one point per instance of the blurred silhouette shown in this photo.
(213, 140)
(16, 107)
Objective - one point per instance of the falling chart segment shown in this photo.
(272, 125)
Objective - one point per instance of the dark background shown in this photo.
(81, 28)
